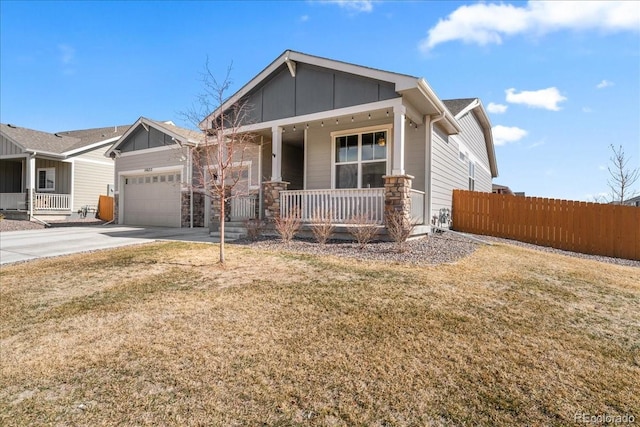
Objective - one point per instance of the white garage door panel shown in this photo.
(152, 200)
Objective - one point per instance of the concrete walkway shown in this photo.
(17, 246)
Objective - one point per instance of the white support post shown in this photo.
(399, 114)
(31, 181)
(276, 153)
(428, 170)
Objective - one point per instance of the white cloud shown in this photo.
(67, 58)
(353, 5)
(602, 167)
(587, 110)
(489, 23)
(537, 144)
(603, 84)
(304, 18)
(497, 108)
(67, 53)
(504, 134)
(548, 98)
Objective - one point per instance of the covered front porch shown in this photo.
(349, 164)
(35, 186)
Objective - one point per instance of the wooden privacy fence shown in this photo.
(590, 228)
(105, 208)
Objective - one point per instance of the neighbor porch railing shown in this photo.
(51, 202)
(343, 204)
(417, 206)
(13, 201)
(244, 207)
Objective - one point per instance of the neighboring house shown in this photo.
(502, 189)
(153, 163)
(348, 139)
(54, 175)
(634, 201)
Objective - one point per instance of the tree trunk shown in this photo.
(223, 201)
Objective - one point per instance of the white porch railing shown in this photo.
(51, 202)
(417, 206)
(244, 207)
(343, 204)
(13, 201)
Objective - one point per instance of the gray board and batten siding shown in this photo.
(314, 89)
(140, 139)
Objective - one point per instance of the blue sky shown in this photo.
(561, 81)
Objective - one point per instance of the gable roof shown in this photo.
(59, 144)
(460, 107)
(457, 105)
(179, 134)
(94, 137)
(31, 140)
(416, 90)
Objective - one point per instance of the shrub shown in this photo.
(399, 228)
(255, 227)
(322, 226)
(288, 226)
(363, 229)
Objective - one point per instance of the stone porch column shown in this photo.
(397, 197)
(271, 191)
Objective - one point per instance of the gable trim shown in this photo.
(91, 146)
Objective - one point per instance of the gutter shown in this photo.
(438, 104)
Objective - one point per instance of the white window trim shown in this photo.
(46, 170)
(471, 171)
(359, 131)
(247, 164)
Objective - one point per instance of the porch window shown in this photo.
(46, 179)
(361, 160)
(472, 176)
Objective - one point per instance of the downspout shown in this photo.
(429, 202)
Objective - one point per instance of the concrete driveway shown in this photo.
(16, 246)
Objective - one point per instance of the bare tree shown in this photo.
(219, 164)
(622, 177)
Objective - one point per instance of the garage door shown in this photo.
(152, 200)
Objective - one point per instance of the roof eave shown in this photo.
(402, 82)
(488, 135)
(449, 122)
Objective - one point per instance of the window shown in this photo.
(472, 175)
(47, 179)
(360, 160)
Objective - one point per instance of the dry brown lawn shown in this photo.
(160, 335)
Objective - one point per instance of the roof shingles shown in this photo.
(60, 142)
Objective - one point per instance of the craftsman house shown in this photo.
(54, 175)
(332, 137)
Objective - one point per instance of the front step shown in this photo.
(233, 230)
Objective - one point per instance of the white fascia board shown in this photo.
(40, 153)
(401, 81)
(14, 156)
(473, 104)
(324, 115)
(485, 123)
(437, 103)
(91, 146)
